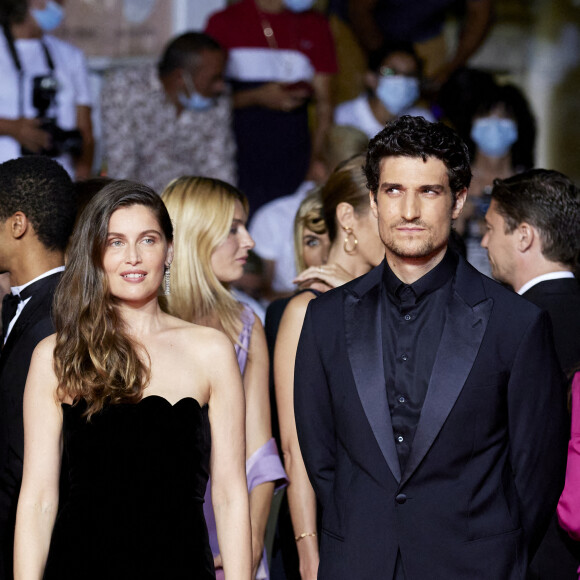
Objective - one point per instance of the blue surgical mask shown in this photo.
(299, 5)
(50, 17)
(195, 101)
(398, 92)
(494, 136)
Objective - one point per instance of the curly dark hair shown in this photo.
(40, 188)
(550, 202)
(415, 137)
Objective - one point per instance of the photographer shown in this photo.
(45, 100)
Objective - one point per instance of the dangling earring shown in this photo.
(349, 232)
(166, 285)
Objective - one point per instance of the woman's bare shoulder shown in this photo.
(202, 340)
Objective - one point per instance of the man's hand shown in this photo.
(275, 96)
(29, 134)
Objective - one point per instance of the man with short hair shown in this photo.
(430, 406)
(174, 119)
(533, 244)
(37, 213)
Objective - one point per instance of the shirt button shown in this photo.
(407, 317)
(400, 438)
(402, 399)
(404, 357)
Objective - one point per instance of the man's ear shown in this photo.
(19, 225)
(374, 208)
(459, 203)
(525, 236)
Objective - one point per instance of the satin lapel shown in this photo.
(365, 352)
(462, 335)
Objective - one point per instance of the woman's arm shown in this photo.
(38, 501)
(301, 498)
(258, 433)
(228, 454)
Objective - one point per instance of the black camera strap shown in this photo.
(18, 65)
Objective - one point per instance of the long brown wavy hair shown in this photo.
(94, 358)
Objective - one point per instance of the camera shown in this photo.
(44, 90)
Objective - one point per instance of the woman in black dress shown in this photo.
(123, 391)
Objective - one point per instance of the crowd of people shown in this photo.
(266, 343)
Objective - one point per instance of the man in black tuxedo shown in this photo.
(429, 402)
(533, 242)
(37, 213)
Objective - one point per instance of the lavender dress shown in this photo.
(263, 466)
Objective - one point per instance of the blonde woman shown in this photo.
(355, 248)
(212, 246)
(311, 241)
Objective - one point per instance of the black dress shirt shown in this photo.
(413, 316)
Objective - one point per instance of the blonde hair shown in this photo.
(202, 211)
(309, 216)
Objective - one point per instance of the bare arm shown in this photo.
(27, 132)
(228, 453)
(84, 164)
(301, 498)
(360, 14)
(258, 432)
(38, 501)
(478, 19)
(275, 96)
(324, 113)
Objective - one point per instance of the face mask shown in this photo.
(299, 5)
(49, 18)
(494, 136)
(195, 101)
(398, 92)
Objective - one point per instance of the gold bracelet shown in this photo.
(305, 535)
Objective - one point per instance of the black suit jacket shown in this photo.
(488, 456)
(559, 556)
(561, 299)
(33, 324)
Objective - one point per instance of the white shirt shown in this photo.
(272, 228)
(70, 69)
(543, 278)
(15, 290)
(358, 113)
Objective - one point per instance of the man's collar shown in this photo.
(18, 289)
(428, 283)
(549, 276)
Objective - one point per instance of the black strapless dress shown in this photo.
(137, 474)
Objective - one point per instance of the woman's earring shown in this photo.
(166, 283)
(353, 248)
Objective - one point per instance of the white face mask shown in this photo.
(299, 5)
(50, 17)
(195, 101)
(398, 92)
(494, 136)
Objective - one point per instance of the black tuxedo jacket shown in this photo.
(561, 299)
(488, 457)
(33, 324)
(558, 555)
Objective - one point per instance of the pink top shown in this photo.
(569, 504)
